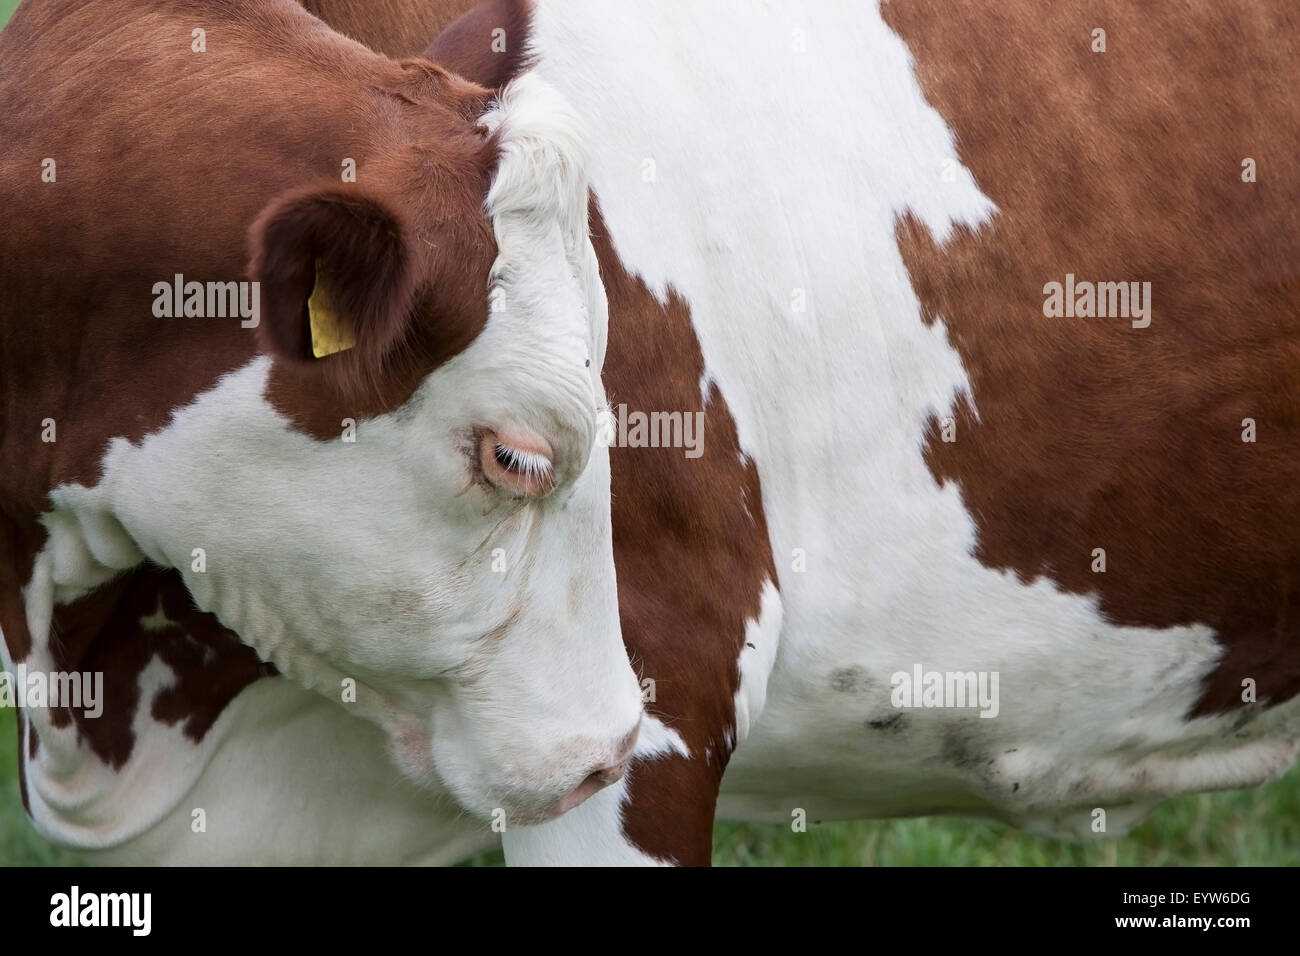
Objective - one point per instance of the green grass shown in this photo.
(1258, 827)
(19, 843)
(1242, 827)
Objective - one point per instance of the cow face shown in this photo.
(471, 589)
(404, 505)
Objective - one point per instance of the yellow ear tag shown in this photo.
(329, 333)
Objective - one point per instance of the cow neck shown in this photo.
(692, 555)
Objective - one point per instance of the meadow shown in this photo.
(1245, 827)
(1256, 827)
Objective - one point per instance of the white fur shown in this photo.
(762, 638)
(292, 778)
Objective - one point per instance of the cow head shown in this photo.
(469, 581)
(403, 503)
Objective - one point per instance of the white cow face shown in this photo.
(443, 566)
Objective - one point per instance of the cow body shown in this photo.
(822, 229)
(837, 241)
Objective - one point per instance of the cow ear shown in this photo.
(335, 274)
(486, 45)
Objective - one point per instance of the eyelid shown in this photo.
(518, 463)
(522, 462)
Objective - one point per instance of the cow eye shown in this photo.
(518, 465)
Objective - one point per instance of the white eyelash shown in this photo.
(533, 468)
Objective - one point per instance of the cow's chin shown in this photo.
(412, 750)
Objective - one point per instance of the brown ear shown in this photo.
(488, 45)
(334, 261)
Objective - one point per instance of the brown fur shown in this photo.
(466, 46)
(1126, 165)
(396, 27)
(692, 553)
(102, 632)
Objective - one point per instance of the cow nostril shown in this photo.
(601, 778)
(593, 783)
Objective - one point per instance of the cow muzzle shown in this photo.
(600, 778)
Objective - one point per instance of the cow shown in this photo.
(848, 226)
(301, 344)
(950, 546)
